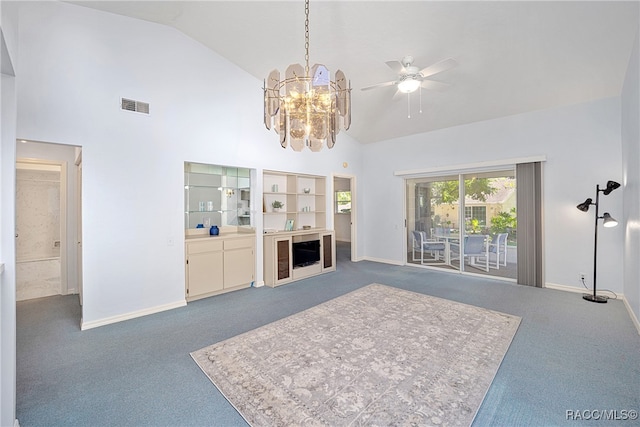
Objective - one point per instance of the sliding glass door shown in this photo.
(465, 222)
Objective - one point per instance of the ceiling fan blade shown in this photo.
(431, 85)
(379, 85)
(438, 67)
(398, 95)
(396, 66)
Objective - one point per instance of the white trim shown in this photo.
(566, 288)
(132, 315)
(461, 168)
(383, 261)
(258, 284)
(634, 319)
(354, 210)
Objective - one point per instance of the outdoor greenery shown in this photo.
(473, 225)
(447, 191)
(343, 201)
(505, 222)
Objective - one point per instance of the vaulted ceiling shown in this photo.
(513, 57)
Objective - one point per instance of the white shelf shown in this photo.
(304, 208)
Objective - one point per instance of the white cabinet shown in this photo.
(280, 263)
(204, 267)
(237, 255)
(215, 265)
(296, 242)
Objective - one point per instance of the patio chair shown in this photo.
(475, 250)
(498, 246)
(434, 248)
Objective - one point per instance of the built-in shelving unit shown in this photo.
(303, 198)
(306, 248)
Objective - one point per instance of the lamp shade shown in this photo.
(608, 220)
(584, 206)
(611, 185)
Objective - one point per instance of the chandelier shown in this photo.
(307, 108)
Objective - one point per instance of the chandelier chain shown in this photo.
(306, 112)
(306, 37)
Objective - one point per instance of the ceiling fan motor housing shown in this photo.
(410, 80)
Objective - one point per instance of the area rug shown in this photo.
(377, 356)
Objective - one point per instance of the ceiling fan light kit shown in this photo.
(307, 108)
(408, 85)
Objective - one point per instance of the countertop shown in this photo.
(197, 237)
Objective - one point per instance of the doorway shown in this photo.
(40, 219)
(464, 222)
(344, 217)
(47, 220)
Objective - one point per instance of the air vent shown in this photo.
(137, 106)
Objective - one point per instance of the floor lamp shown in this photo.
(608, 221)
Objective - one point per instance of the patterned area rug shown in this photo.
(376, 356)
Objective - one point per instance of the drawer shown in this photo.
(247, 242)
(206, 246)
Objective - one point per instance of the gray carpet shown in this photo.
(376, 356)
(568, 354)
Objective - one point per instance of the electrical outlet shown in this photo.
(582, 277)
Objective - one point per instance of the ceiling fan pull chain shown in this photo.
(420, 95)
(409, 105)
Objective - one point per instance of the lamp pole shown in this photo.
(594, 297)
(608, 221)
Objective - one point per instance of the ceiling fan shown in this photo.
(410, 78)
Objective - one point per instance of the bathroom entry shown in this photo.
(47, 219)
(38, 230)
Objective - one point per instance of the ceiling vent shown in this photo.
(137, 106)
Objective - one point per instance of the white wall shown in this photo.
(8, 28)
(582, 147)
(631, 180)
(76, 63)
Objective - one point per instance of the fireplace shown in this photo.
(306, 253)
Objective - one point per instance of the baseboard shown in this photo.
(634, 319)
(258, 284)
(620, 296)
(132, 315)
(16, 423)
(566, 288)
(384, 261)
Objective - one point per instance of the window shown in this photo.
(343, 201)
(476, 212)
